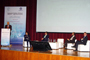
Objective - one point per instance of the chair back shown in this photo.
(60, 40)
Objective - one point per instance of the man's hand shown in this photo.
(81, 38)
(42, 38)
(37, 40)
(68, 39)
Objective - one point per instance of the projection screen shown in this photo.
(63, 16)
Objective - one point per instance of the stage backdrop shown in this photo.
(17, 18)
(31, 20)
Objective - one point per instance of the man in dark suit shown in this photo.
(8, 26)
(27, 38)
(45, 37)
(71, 40)
(82, 41)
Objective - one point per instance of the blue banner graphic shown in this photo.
(16, 16)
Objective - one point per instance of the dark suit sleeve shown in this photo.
(10, 27)
(43, 36)
(46, 38)
(74, 38)
(26, 37)
(29, 37)
(85, 40)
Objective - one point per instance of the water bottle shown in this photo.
(51, 40)
(54, 40)
(48, 40)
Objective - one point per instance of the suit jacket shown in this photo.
(84, 40)
(26, 38)
(9, 27)
(73, 40)
(46, 38)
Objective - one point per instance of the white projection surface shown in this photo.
(63, 16)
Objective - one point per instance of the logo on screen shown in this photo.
(20, 9)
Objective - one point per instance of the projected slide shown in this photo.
(63, 16)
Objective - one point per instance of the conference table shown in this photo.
(54, 45)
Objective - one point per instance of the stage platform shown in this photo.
(18, 52)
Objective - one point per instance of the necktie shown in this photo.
(44, 36)
(7, 26)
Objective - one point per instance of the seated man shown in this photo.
(27, 38)
(82, 41)
(71, 40)
(45, 37)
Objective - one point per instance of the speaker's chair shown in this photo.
(86, 47)
(69, 45)
(61, 42)
(25, 43)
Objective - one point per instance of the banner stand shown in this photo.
(16, 16)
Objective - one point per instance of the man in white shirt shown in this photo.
(71, 40)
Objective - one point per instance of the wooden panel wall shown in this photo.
(20, 55)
